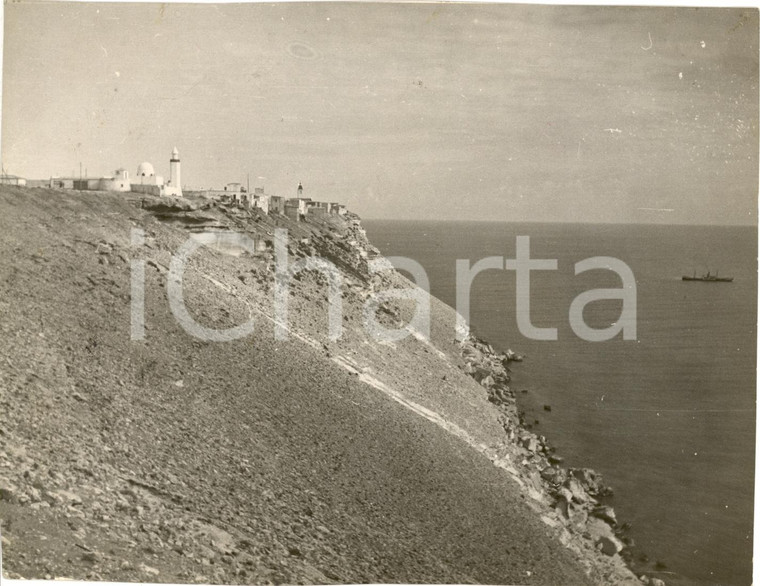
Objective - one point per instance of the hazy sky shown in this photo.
(501, 112)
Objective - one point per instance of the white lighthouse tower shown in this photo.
(175, 184)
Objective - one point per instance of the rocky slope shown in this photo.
(306, 460)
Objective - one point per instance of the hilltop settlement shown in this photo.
(146, 181)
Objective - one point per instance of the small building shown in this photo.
(86, 184)
(276, 204)
(292, 210)
(317, 208)
(232, 193)
(337, 208)
(6, 179)
(267, 203)
(236, 194)
(300, 202)
(61, 183)
(119, 182)
(261, 201)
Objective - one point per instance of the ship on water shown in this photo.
(707, 278)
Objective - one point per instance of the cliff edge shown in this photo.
(290, 458)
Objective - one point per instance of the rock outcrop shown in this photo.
(576, 494)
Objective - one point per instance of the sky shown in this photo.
(409, 111)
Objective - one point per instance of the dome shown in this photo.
(175, 153)
(145, 170)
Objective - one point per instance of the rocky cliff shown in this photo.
(260, 460)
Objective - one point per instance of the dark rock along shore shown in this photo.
(260, 461)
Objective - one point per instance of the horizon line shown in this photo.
(587, 222)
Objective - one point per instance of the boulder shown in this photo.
(553, 475)
(34, 494)
(603, 537)
(90, 556)
(474, 354)
(578, 492)
(565, 494)
(590, 480)
(562, 507)
(58, 497)
(8, 492)
(148, 570)
(487, 381)
(530, 443)
(609, 545)
(533, 479)
(605, 513)
(577, 516)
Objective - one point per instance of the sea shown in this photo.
(667, 418)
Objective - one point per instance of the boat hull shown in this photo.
(709, 279)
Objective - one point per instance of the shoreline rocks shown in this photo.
(576, 494)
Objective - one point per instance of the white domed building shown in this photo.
(145, 170)
(146, 180)
(146, 175)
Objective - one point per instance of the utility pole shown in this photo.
(248, 182)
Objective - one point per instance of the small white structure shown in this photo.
(119, 182)
(174, 187)
(145, 171)
(261, 201)
(148, 182)
(6, 179)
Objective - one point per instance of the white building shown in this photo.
(6, 179)
(146, 175)
(147, 181)
(119, 181)
(174, 187)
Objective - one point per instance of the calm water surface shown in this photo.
(669, 419)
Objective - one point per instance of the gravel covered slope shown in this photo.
(254, 461)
